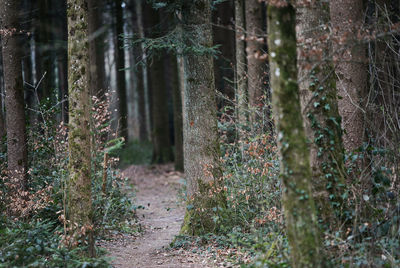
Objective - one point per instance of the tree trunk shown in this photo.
(172, 72)
(2, 122)
(45, 53)
(120, 64)
(206, 197)
(300, 213)
(96, 49)
(79, 184)
(61, 37)
(351, 69)
(162, 150)
(255, 61)
(143, 85)
(14, 91)
(241, 64)
(320, 109)
(225, 37)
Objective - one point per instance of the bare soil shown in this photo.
(157, 192)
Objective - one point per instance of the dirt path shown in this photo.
(157, 189)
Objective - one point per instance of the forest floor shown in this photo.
(161, 216)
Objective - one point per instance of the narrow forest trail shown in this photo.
(156, 190)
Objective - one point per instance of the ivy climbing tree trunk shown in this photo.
(300, 212)
(79, 183)
(347, 18)
(14, 92)
(320, 109)
(241, 63)
(201, 146)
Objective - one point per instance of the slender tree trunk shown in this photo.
(143, 93)
(320, 109)
(2, 92)
(298, 204)
(96, 49)
(2, 122)
(14, 91)
(351, 69)
(45, 54)
(162, 150)
(241, 63)
(172, 72)
(225, 37)
(206, 196)
(79, 184)
(255, 61)
(120, 64)
(61, 39)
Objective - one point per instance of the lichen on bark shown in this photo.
(300, 212)
(206, 197)
(79, 183)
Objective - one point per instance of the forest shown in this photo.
(199, 133)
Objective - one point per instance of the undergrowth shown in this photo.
(32, 225)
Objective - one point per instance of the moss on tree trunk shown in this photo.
(298, 203)
(79, 183)
(320, 110)
(206, 198)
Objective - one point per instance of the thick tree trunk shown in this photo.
(256, 66)
(241, 63)
(14, 91)
(351, 70)
(320, 109)
(120, 65)
(297, 200)
(203, 171)
(96, 49)
(79, 184)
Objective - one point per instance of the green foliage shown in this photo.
(31, 228)
(135, 153)
(38, 244)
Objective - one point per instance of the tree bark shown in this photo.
(172, 72)
(206, 197)
(45, 52)
(320, 109)
(143, 85)
(351, 69)
(300, 213)
(255, 63)
(2, 91)
(61, 37)
(14, 91)
(96, 49)
(241, 63)
(120, 64)
(162, 150)
(224, 36)
(79, 184)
